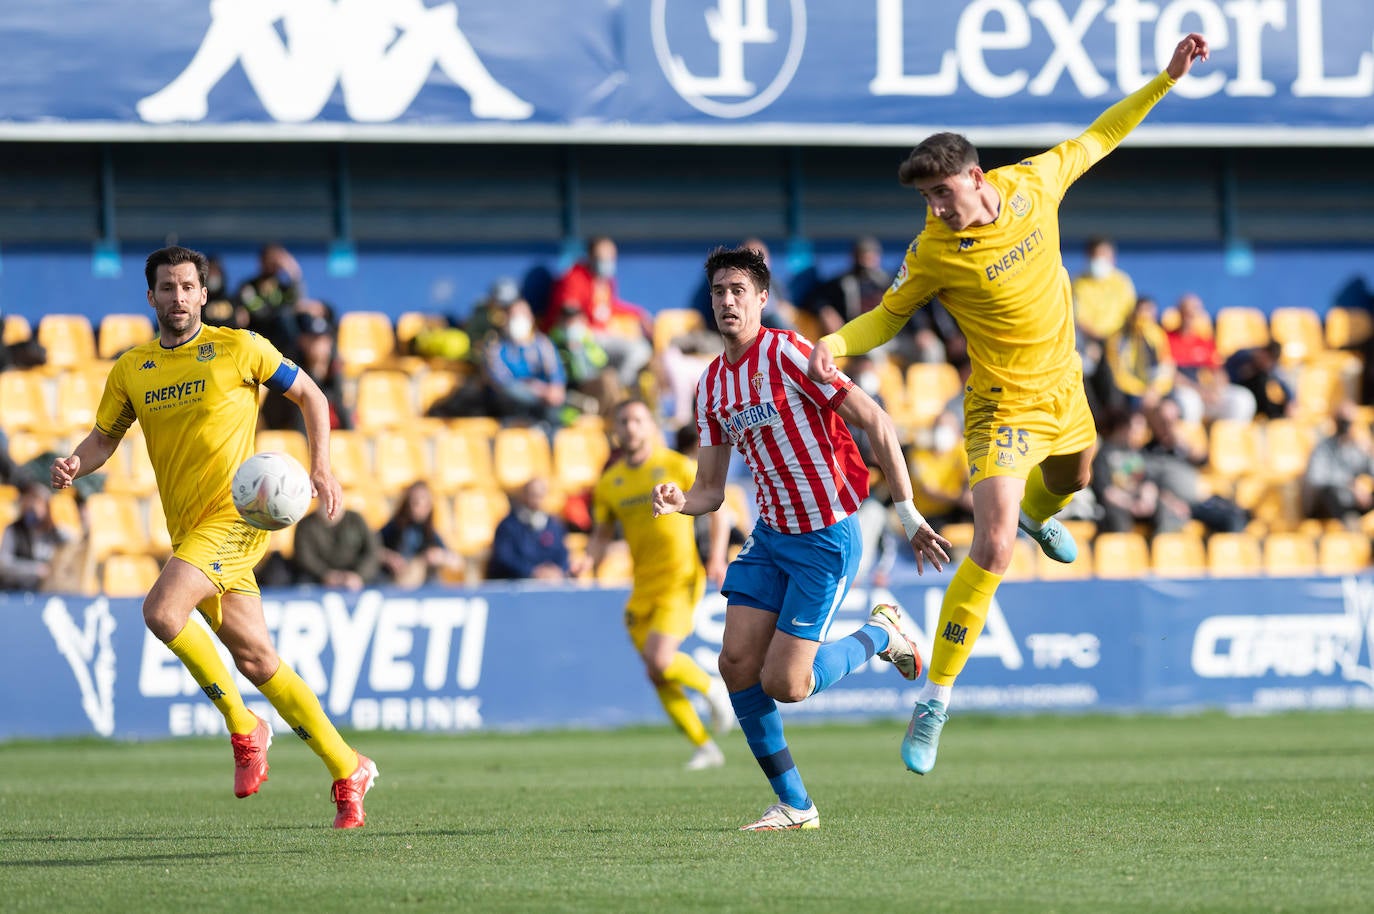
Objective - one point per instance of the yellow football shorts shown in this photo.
(227, 550)
(1010, 436)
(667, 609)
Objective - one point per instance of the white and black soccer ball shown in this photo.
(271, 490)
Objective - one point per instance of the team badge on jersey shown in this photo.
(900, 277)
(756, 382)
(206, 352)
(966, 243)
(1019, 203)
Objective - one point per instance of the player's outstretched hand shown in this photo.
(930, 546)
(1192, 47)
(64, 470)
(326, 487)
(821, 366)
(668, 499)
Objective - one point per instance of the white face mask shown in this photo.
(943, 439)
(520, 327)
(1100, 268)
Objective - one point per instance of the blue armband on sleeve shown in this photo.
(283, 377)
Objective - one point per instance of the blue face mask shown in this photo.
(604, 267)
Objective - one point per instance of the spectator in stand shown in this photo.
(31, 548)
(1339, 482)
(413, 552)
(622, 329)
(1138, 357)
(268, 303)
(854, 292)
(524, 373)
(1103, 299)
(342, 553)
(219, 310)
(316, 353)
(1173, 464)
(9, 470)
(488, 316)
(586, 365)
(529, 541)
(1201, 387)
(1257, 370)
(1121, 480)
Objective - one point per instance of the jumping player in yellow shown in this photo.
(669, 578)
(195, 391)
(990, 252)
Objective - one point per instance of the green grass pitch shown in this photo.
(1048, 814)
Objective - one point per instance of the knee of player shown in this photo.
(786, 687)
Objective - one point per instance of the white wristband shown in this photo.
(911, 519)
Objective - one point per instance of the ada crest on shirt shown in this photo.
(1019, 203)
(206, 352)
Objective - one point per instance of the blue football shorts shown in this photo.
(802, 577)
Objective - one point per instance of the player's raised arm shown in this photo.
(1112, 126)
(708, 489)
(1192, 47)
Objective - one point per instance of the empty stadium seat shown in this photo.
(1299, 331)
(519, 455)
(159, 538)
(384, 399)
(579, 457)
(366, 338)
(350, 456)
(1233, 448)
(1178, 555)
(671, 323)
(78, 396)
(433, 385)
(1233, 555)
(1120, 555)
(24, 393)
(16, 330)
(130, 470)
(128, 575)
(1346, 328)
(115, 524)
(1289, 555)
(285, 441)
(476, 512)
(929, 387)
(1343, 552)
(119, 332)
(398, 459)
(68, 338)
(462, 459)
(1287, 446)
(1240, 327)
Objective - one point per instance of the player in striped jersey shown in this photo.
(797, 565)
(990, 251)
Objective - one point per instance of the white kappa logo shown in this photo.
(731, 25)
(379, 52)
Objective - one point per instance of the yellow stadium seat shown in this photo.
(476, 512)
(1240, 327)
(159, 538)
(68, 338)
(960, 535)
(1299, 331)
(1323, 383)
(25, 397)
(398, 459)
(350, 454)
(1287, 446)
(891, 385)
(119, 332)
(462, 459)
(1233, 555)
(1178, 555)
(579, 457)
(1234, 448)
(115, 524)
(929, 387)
(519, 455)
(78, 396)
(1343, 552)
(410, 323)
(1346, 328)
(385, 399)
(128, 575)
(1023, 561)
(482, 425)
(1120, 555)
(433, 385)
(671, 323)
(16, 329)
(285, 441)
(369, 501)
(366, 338)
(130, 470)
(1289, 555)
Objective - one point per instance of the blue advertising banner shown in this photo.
(806, 71)
(530, 657)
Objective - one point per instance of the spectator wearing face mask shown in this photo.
(622, 329)
(1339, 482)
(1103, 298)
(525, 376)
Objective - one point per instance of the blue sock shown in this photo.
(837, 659)
(762, 725)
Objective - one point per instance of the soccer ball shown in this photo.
(271, 491)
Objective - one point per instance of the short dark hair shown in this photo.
(173, 256)
(631, 401)
(746, 260)
(938, 156)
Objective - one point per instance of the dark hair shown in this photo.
(631, 401)
(174, 256)
(746, 260)
(402, 513)
(938, 156)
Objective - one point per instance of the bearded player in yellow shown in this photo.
(195, 392)
(990, 252)
(669, 578)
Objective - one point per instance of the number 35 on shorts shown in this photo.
(1010, 443)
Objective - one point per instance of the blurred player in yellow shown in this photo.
(195, 392)
(990, 252)
(669, 578)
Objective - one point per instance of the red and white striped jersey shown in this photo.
(807, 470)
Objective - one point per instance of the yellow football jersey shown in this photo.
(664, 548)
(198, 405)
(1005, 282)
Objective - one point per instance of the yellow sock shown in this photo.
(299, 707)
(196, 650)
(680, 710)
(685, 671)
(1039, 503)
(962, 614)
